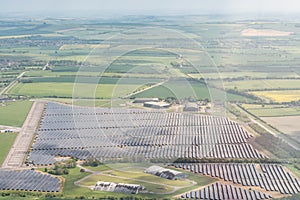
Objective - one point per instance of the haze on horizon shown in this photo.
(153, 7)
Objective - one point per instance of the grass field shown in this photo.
(134, 173)
(72, 191)
(52, 89)
(14, 113)
(151, 187)
(184, 89)
(271, 110)
(245, 74)
(6, 140)
(293, 170)
(279, 96)
(264, 84)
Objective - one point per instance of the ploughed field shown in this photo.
(116, 133)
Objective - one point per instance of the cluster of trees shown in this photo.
(61, 168)
(244, 94)
(275, 145)
(92, 162)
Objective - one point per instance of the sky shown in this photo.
(149, 7)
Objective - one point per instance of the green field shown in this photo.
(127, 176)
(271, 110)
(245, 74)
(6, 141)
(264, 84)
(134, 174)
(52, 89)
(186, 89)
(14, 113)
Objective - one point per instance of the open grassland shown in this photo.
(134, 174)
(279, 96)
(6, 140)
(292, 168)
(157, 187)
(14, 113)
(185, 89)
(52, 89)
(48, 73)
(90, 102)
(271, 110)
(288, 125)
(71, 190)
(245, 74)
(264, 84)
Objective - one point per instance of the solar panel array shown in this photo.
(273, 177)
(218, 191)
(107, 133)
(28, 180)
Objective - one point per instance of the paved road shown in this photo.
(275, 134)
(17, 153)
(175, 188)
(147, 88)
(10, 128)
(6, 89)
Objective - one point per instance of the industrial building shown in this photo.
(157, 105)
(165, 173)
(143, 100)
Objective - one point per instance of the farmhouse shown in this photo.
(165, 173)
(152, 104)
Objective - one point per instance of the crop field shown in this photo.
(52, 89)
(245, 74)
(272, 110)
(263, 84)
(6, 141)
(185, 89)
(279, 96)
(287, 124)
(14, 113)
(64, 58)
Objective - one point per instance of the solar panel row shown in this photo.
(273, 177)
(28, 180)
(116, 133)
(218, 191)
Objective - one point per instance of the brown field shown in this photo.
(264, 32)
(289, 125)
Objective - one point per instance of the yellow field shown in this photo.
(280, 95)
(82, 46)
(264, 32)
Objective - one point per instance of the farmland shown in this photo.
(279, 96)
(88, 73)
(262, 110)
(6, 140)
(287, 124)
(14, 113)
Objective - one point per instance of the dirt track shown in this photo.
(17, 153)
